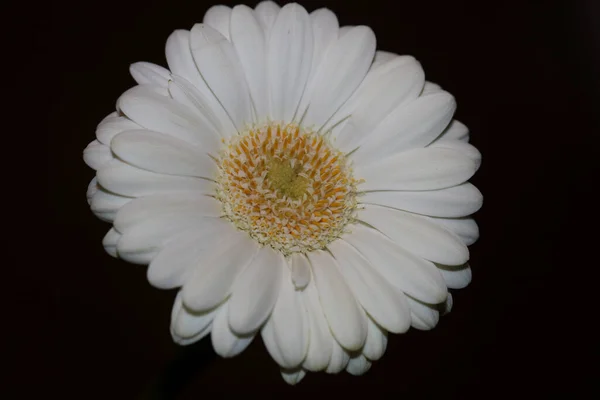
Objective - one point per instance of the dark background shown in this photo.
(525, 75)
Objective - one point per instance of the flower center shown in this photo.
(287, 187)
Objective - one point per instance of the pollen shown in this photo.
(287, 187)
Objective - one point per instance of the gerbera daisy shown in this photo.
(292, 182)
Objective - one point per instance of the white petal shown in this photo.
(465, 228)
(340, 118)
(457, 201)
(91, 190)
(179, 259)
(191, 340)
(376, 342)
(455, 131)
(164, 154)
(382, 93)
(326, 31)
(177, 305)
(384, 303)
(146, 73)
(343, 68)
(465, 148)
(286, 330)
(409, 126)
(217, 269)
(381, 57)
(423, 316)
(226, 343)
(184, 92)
(300, 270)
(268, 336)
(187, 204)
(105, 205)
(96, 155)
(417, 169)
(165, 115)
(456, 277)
(289, 59)
(113, 125)
(141, 242)
(219, 18)
(181, 62)
(320, 342)
(189, 324)
(344, 30)
(339, 359)
(392, 62)
(346, 318)
(255, 291)
(221, 69)
(411, 274)
(266, 13)
(358, 365)
(447, 307)
(123, 179)
(293, 377)
(430, 88)
(110, 242)
(249, 41)
(416, 234)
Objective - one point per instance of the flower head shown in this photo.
(287, 187)
(291, 181)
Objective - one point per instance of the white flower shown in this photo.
(293, 183)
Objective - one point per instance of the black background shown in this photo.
(525, 76)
